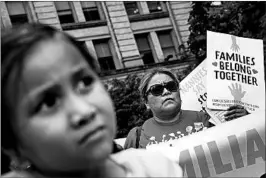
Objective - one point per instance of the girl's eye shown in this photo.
(84, 84)
(48, 103)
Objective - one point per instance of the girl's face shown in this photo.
(168, 102)
(65, 118)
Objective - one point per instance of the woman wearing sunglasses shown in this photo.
(159, 89)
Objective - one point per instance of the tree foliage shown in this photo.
(240, 18)
(130, 109)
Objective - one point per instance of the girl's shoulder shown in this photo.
(145, 163)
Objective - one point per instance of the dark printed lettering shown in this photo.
(236, 76)
(203, 164)
(252, 60)
(249, 70)
(217, 54)
(222, 65)
(222, 75)
(216, 74)
(253, 138)
(186, 163)
(234, 57)
(201, 102)
(254, 81)
(234, 145)
(229, 66)
(247, 60)
(230, 57)
(253, 152)
(217, 160)
(233, 76)
(222, 56)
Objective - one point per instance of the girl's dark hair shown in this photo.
(16, 43)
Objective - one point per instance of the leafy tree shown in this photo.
(240, 18)
(130, 109)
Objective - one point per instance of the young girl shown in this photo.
(57, 118)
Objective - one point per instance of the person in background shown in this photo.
(57, 119)
(159, 89)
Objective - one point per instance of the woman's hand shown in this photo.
(234, 112)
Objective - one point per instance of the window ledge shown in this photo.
(151, 16)
(111, 73)
(79, 25)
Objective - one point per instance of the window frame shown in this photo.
(162, 5)
(170, 33)
(90, 9)
(26, 16)
(110, 58)
(141, 51)
(137, 6)
(70, 10)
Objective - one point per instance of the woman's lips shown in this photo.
(168, 99)
(94, 134)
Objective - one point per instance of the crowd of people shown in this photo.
(58, 120)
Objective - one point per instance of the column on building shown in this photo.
(144, 7)
(92, 51)
(123, 33)
(46, 13)
(180, 11)
(159, 57)
(78, 11)
(153, 38)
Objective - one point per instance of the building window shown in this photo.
(17, 12)
(104, 54)
(144, 48)
(155, 6)
(64, 12)
(167, 45)
(90, 10)
(131, 7)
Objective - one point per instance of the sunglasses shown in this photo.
(157, 89)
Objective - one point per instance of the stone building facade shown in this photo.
(125, 37)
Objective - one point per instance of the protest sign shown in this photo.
(193, 89)
(235, 72)
(193, 93)
(120, 141)
(221, 151)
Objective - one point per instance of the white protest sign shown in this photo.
(193, 93)
(120, 141)
(223, 150)
(235, 72)
(193, 89)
